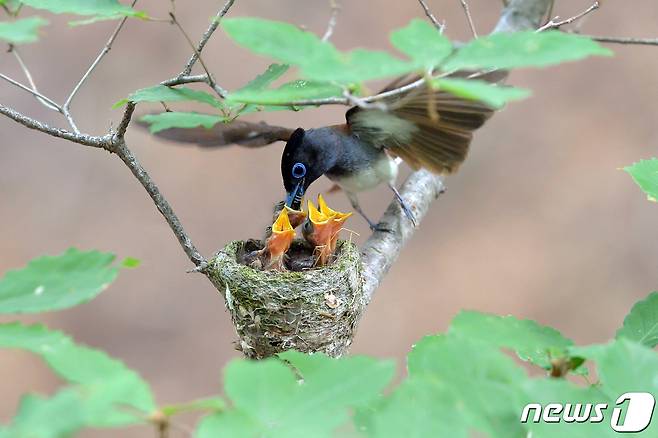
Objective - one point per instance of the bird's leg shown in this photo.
(403, 205)
(355, 205)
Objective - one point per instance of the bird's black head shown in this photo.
(306, 157)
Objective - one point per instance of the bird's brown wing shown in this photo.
(247, 134)
(425, 127)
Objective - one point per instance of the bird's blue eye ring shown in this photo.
(298, 170)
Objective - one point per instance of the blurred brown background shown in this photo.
(539, 223)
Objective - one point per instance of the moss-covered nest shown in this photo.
(312, 310)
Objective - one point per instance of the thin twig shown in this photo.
(556, 23)
(467, 11)
(440, 26)
(32, 91)
(180, 80)
(108, 46)
(14, 50)
(220, 91)
(206, 36)
(621, 40)
(333, 19)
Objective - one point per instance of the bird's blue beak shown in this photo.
(294, 197)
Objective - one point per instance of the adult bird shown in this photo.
(425, 127)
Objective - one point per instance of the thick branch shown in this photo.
(382, 249)
(83, 139)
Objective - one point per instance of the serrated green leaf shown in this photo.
(523, 49)
(421, 41)
(56, 282)
(641, 324)
(108, 8)
(495, 96)
(162, 121)
(161, 93)
(319, 61)
(626, 366)
(420, 407)
(287, 93)
(270, 401)
(22, 31)
(84, 366)
(279, 40)
(478, 380)
(531, 341)
(645, 175)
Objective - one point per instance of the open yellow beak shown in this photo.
(279, 242)
(297, 217)
(337, 219)
(324, 227)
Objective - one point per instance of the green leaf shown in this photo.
(278, 40)
(262, 81)
(22, 31)
(641, 324)
(531, 341)
(84, 366)
(626, 366)
(357, 66)
(162, 121)
(523, 49)
(270, 401)
(287, 93)
(319, 61)
(423, 43)
(495, 96)
(55, 417)
(420, 407)
(107, 8)
(161, 93)
(477, 380)
(645, 175)
(56, 282)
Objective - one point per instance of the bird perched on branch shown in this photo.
(425, 127)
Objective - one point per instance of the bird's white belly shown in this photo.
(385, 170)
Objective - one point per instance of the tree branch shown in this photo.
(440, 26)
(47, 101)
(206, 36)
(622, 40)
(108, 46)
(83, 139)
(556, 23)
(14, 50)
(467, 11)
(333, 19)
(382, 249)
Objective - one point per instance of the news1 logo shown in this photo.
(638, 412)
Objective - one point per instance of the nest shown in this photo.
(311, 310)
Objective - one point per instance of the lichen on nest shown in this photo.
(309, 310)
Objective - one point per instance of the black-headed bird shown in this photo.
(425, 127)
